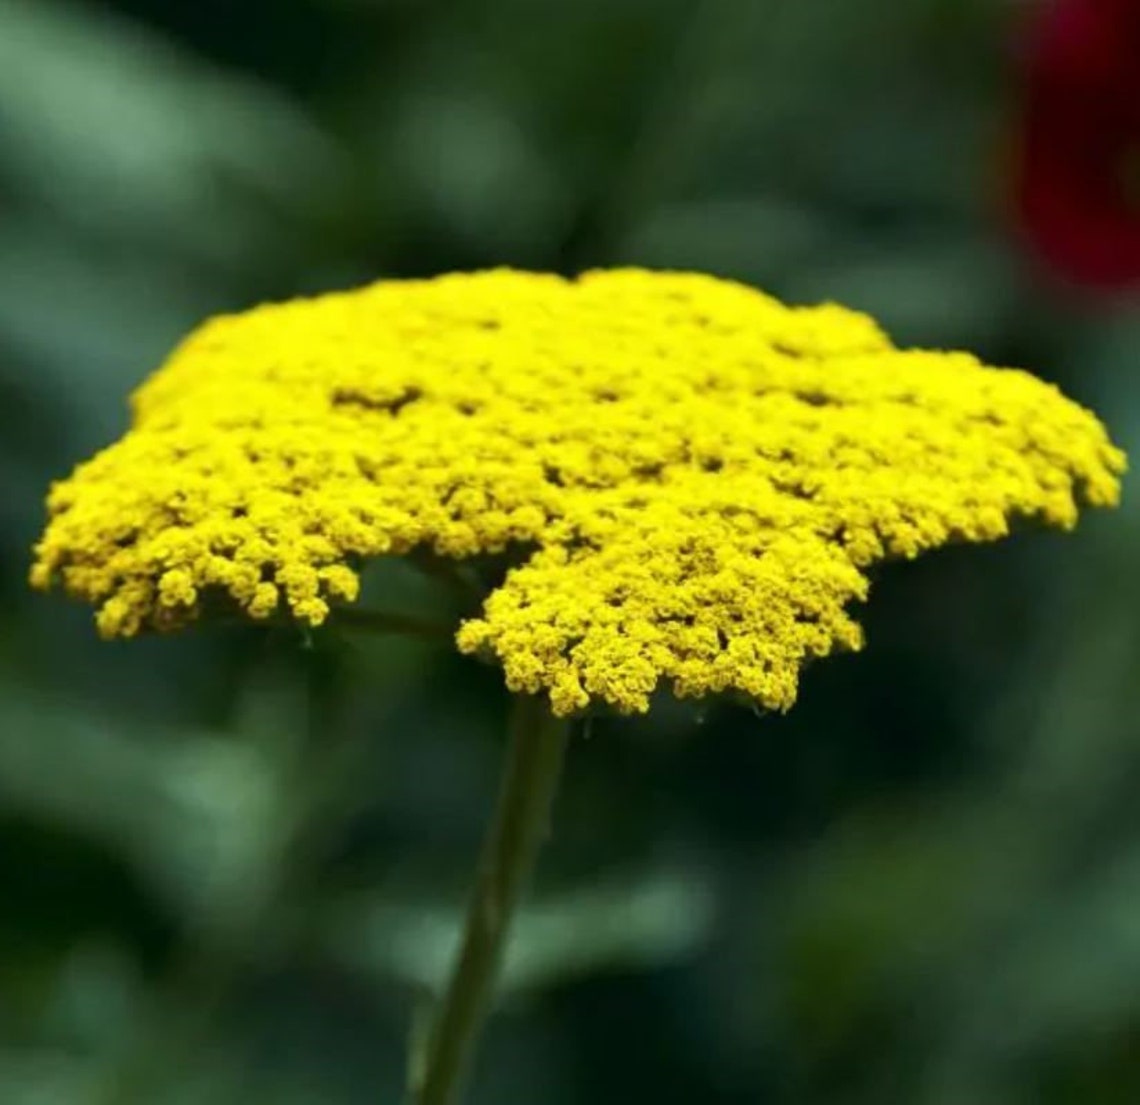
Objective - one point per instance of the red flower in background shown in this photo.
(1078, 187)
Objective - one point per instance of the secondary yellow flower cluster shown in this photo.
(694, 475)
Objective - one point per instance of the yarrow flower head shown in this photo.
(690, 478)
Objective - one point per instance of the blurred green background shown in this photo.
(229, 863)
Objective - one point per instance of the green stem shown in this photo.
(537, 746)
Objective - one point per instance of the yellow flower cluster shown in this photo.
(694, 475)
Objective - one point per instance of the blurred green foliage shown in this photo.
(230, 863)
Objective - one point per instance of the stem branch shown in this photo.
(383, 621)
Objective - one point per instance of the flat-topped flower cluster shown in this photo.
(692, 478)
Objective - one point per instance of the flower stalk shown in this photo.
(532, 769)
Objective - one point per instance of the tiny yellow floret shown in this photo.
(691, 477)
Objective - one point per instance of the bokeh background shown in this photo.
(230, 861)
